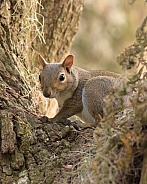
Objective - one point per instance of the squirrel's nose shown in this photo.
(47, 94)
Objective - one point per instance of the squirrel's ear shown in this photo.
(68, 62)
(42, 60)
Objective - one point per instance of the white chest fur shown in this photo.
(62, 98)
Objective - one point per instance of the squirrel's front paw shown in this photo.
(45, 119)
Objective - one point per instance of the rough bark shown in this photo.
(32, 152)
(60, 26)
(58, 22)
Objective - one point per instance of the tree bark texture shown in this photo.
(60, 26)
(31, 152)
(58, 22)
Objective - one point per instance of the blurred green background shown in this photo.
(106, 29)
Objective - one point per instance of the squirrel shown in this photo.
(78, 91)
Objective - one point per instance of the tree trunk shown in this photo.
(58, 22)
(60, 26)
(32, 152)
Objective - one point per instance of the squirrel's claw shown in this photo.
(45, 119)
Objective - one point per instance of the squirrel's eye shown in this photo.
(62, 77)
(39, 78)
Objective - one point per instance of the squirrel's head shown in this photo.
(56, 78)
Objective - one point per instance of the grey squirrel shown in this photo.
(78, 91)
